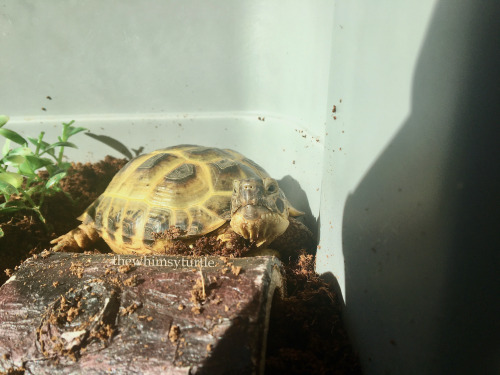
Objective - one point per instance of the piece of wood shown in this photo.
(97, 314)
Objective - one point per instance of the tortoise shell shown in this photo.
(185, 186)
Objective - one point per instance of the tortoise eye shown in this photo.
(272, 188)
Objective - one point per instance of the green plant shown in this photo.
(20, 185)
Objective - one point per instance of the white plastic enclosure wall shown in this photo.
(380, 179)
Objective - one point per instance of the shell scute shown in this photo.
(134, 219)
(115, 214)
(155, 160)
(202, 221)
(182, 191)
(222, 177)
(206, 154)
(100, 211)
(181, 220)
(220, 205)
(142, 175)
(158, 221)
(182, 173)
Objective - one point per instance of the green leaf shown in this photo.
(14, 160)
(13, 179)
(1, 233)
(66, 130)
(52, 169)
(10, 209)
(20, 151)
(7, 188)
(6, 147)
(13, 136)
(16, 204)
(3, 120)
(35, 189)
(39, 143)
(36, 162)
(59, 144)
(113, 143)
(54, 180)
(64, 165)
(31, 164)
(75, 130)
(26, 170)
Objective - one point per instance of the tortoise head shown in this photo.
(260, 210)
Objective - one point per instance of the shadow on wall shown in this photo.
(298, 199)
(422, 272)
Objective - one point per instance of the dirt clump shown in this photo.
(235, 246)
(174, 333)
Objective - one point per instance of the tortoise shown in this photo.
(200, 190)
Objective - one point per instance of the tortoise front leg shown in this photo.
(226, 234)
(76, 240)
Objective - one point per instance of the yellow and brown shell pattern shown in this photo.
(185, 186)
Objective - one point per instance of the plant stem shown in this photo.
(63, 138)
(40, 137)
(36, 208)
(61, 154)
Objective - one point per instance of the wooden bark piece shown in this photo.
(96, 314)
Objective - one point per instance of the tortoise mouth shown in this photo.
(253, 212)
(258, 224)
